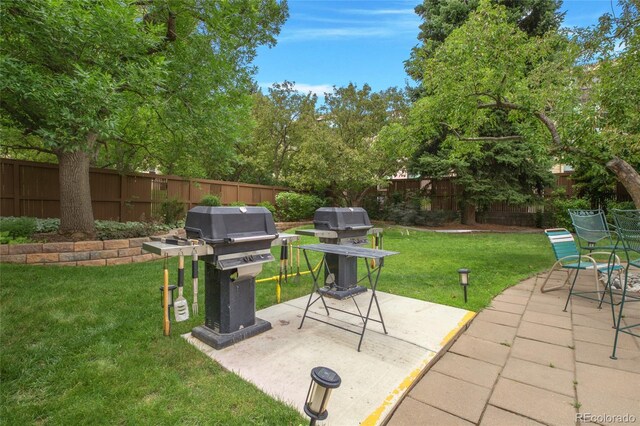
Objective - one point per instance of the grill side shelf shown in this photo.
(170, 250)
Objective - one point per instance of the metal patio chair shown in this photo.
(628, 227)
(593, 234)
(568, 257)
(592, 230)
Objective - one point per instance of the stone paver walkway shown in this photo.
(523, 361)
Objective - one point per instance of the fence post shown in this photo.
(16, 190)
(123, 189)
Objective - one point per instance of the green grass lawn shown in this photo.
(85, 345)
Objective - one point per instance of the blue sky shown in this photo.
(327, 43)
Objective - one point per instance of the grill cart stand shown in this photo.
(347, 226)
(372, 276)
(234, 243)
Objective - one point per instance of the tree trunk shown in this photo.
(469, 214)
(76, 213)
(628, 176)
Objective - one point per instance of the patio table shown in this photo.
(372, 277)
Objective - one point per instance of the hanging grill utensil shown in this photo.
(194, 275)
(180, 305)
(166, 323)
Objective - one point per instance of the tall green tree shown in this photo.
(489, 65)
(441, 17)
(606, 126)
(361, 142)
(487, 168)
(284, 120)
(157, 79)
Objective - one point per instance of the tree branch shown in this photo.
(484, 138)
(548, 123)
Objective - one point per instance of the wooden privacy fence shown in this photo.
(29, 188)
(446, 194)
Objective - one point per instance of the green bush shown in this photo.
(171, 211)
(210, 200)
(5, 238)
(267, 205)
(292, 206)
(47, 225)
(17, 227)
(237, 204)
(375, 209)
(111, 230)
(618, 205)
(556, 208)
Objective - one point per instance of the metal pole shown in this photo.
(465, 293)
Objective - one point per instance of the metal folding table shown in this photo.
(349, 251)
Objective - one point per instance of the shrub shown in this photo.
(111, 230)
(618, 205)
(16, 227)
(171, 211)
(292, 206)
(5, 238)
(47, 225)
(267, 205)
(557, 208)
(374, 208)
(237, 204)
(210, 200)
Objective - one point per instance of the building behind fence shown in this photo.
(32, 189)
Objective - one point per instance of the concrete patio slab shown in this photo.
(415, 412)
(547, 319)
(603, 391)
(452, 395)
(280, 361)
(499, 317)
(483, 350)
(539, 404)
(593, 353)
(543, 353)
(472, 370)
(545, 333)
(542, 376)
(494, 416)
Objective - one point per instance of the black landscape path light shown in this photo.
(464, 281)
(323, 381)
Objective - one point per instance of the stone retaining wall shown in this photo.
(91, 253)
(81, 253)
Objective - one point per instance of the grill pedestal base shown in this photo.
(222, 340)
(337, 293)
(229, 308)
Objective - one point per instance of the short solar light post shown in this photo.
(323, 381)
(464, 281)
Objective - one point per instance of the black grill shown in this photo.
(344, 226)
(241, 240)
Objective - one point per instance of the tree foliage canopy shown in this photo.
(133, 84)
(357, 145)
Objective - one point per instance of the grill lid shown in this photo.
(342, 219)
(246, 226)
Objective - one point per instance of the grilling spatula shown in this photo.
(180, 305)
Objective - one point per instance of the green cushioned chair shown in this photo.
(569, 258)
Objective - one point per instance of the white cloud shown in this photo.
(380, 11)
(339, 23)
(318, 89)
